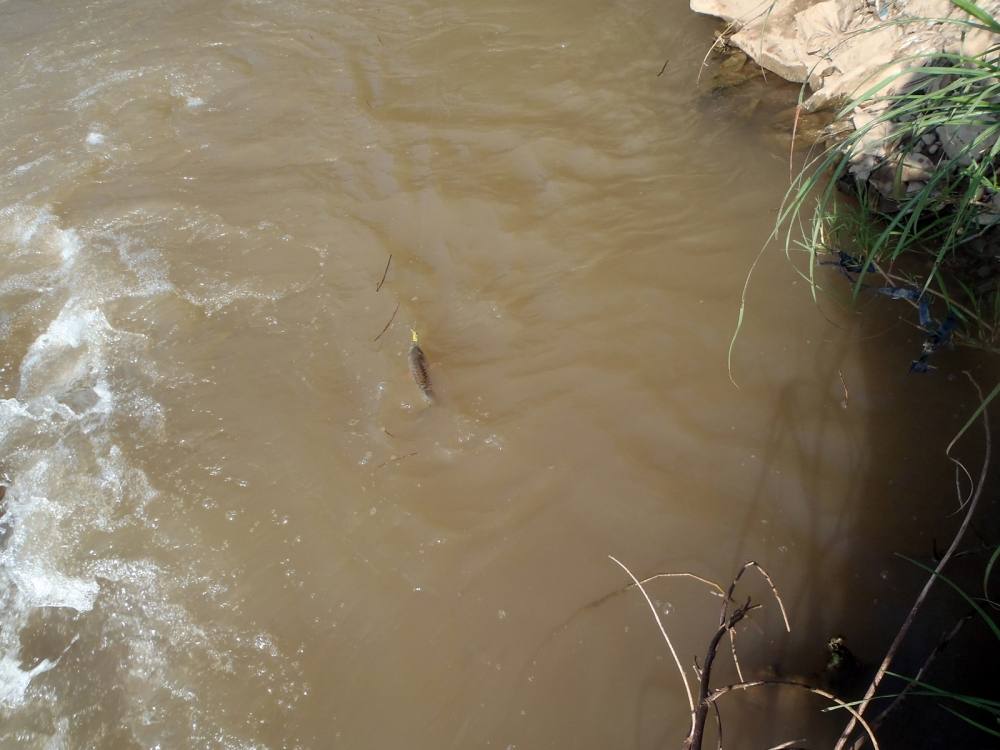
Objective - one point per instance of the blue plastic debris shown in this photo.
(921, 366)
(900, 292)
(848, 264)
(924, 311)
(942, 335)
(939, 337)
(938, 334)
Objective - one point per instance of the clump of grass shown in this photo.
(937, 236)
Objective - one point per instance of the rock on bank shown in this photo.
(840, 46)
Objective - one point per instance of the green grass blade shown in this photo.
(972, 602)
(978, 13)
(973, 722)
(987, 572)
(975, 415)
(981, 703)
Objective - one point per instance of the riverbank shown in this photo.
(844, 48)
(915, 138)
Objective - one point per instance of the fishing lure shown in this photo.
(418, 367)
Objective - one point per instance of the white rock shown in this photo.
(804, 40)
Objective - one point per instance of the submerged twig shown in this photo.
(911, 615)
(387, 324)
(665, 64)
(843, 382)
(395, 460)
(385, 273)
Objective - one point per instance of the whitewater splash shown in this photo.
(72, 607)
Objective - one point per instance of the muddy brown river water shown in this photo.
(232, 520)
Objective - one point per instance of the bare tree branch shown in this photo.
(774, 590)
(700, 712)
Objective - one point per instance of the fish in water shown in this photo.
(418, 368)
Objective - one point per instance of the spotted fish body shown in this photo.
(418, 369)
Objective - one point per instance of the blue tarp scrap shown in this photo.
(900, 292)
(939, 334)
(848, 264)
(924, 311)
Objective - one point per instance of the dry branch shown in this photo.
(727, 624)
(716, 694)
(767, 577)
(663, 632)
(694, 739)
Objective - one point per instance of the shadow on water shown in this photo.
(896, 495)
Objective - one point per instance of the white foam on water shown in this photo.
(147, 265)
(14, 681)
(35, 230)
(220, 295)
(30, 225)
(69, 245)
(48, 588)
(71, 328)
(105, 398)
(54, 438)
(72, 480)
(28, 560)
(68, 352)
(94, 138)
(121, 76)
(29, 165)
